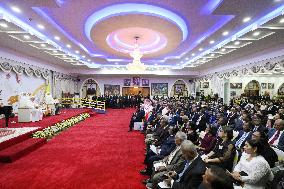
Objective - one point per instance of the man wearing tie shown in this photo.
(276, 137)
(191, 175)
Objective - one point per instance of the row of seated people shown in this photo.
(181, 134)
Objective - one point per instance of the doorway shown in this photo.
(252, 88)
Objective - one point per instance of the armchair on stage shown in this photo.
(28, 110)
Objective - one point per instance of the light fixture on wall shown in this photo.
(136, 65)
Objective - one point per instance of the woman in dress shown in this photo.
(252, 171)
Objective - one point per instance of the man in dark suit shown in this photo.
(232, 116)
(276, 136)
(202, 121)
(173, 162)
(191, 175)
(257, 124)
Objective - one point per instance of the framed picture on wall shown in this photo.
(111, 89)
(264, 85)
(233, 93)
(270, 85)
(205, 85)
(127, 82)
(239, 85)
(136, 81)
(178, 89)
(145, 82)
(159, 89)
(233, 85)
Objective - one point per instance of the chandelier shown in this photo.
(136, 65)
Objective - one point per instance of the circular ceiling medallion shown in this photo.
(115, 35)
(149, 41)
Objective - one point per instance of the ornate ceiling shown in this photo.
(172, 34)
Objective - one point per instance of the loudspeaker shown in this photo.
(190, 81)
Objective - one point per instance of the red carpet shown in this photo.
(98, 153)
(46, 121)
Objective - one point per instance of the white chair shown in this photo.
(138, 126)
(25, 115)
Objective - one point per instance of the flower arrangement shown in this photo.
(49, 132)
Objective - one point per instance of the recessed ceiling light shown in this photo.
(212, 42)
(83, 56)
(186, 58)
(212, 54)
(57, 38)
(77, 52)
(116, 63)
(156, 64)
(40, 26)
(68, 46)
(200, 49)
(43, 45)
(237, 43)
(192, 54)
(3, 25)
(256, 33)
(223, 50)
(27, 37)
(246, 19)
(16, 9)
(281, 21)
(225, 33)
(89, 60)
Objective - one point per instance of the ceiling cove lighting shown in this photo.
(237, 43)
(7, 16)
(40, 26)
(273, 14)
(27, 37)
(3, 25)
(246, 19)
(16, 9)
(256, 33)
(225, 33)
(57, 38)
(130, 8)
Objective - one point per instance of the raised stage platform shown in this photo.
(16, 141)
